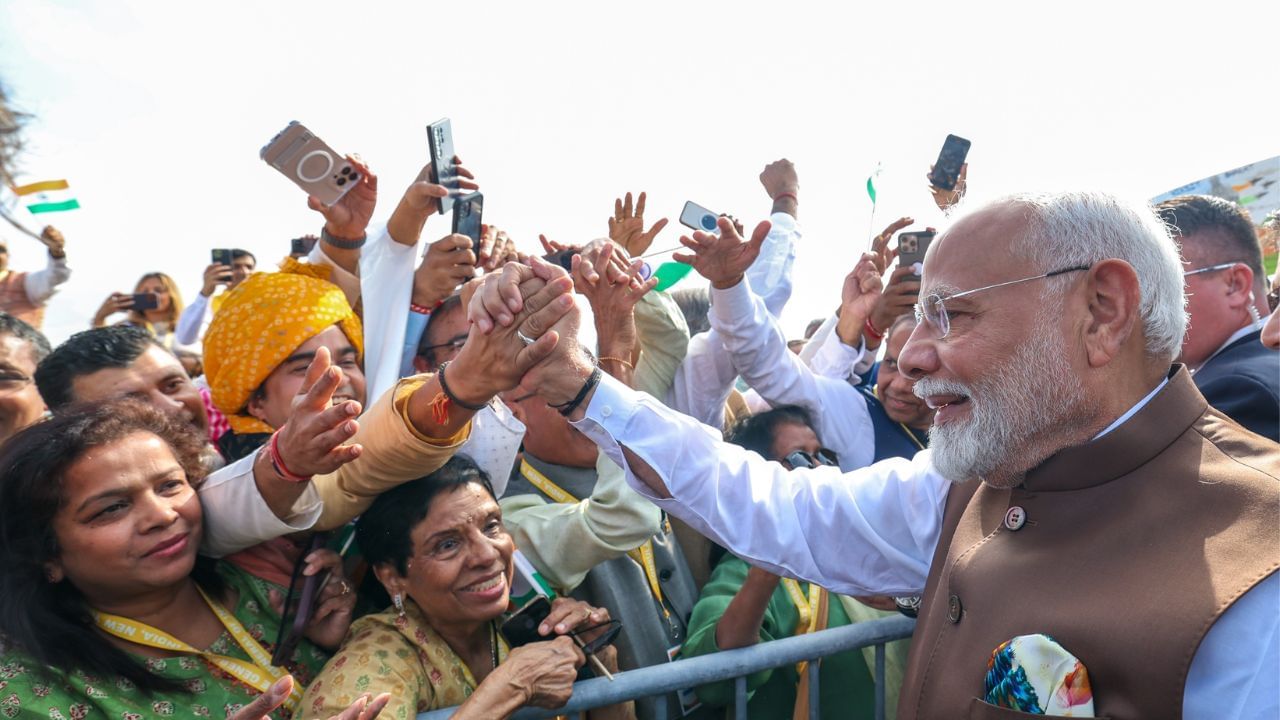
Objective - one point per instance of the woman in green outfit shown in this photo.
(105, 608)
(742, 605)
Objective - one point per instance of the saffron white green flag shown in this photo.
(47, 196)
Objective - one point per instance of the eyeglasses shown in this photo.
(933, 311)
(802, 459)
(454, 343)
(1211, 268)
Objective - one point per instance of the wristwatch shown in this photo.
(341, 243)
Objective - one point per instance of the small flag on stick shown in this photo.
(871, 193)
(47, 196)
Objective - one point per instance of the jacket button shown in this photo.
(664, 574)
(1015, 518)
(954, 608)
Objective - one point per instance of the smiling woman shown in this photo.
(107, 609)
(438, 546)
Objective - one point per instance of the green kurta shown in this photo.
(213, 693)
(845, 684)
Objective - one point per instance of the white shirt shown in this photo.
(706, 376)
(194, 320)
(236, 516)
(758, 351)
(803, 523)
(40, 285)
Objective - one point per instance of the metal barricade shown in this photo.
(729, 665)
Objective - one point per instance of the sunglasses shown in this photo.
(802, 459)
(612, 629)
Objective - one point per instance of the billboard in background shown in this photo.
(1254, 187)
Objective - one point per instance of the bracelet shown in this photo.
(871, 331)
(420, 309)
(277, 462)
(567, 409)
(618, 360)
(342, 243)
(786, 194)
(444, 387)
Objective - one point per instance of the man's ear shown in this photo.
(420, 364)
(256, 406)
(1114, 307)
(1239, 286)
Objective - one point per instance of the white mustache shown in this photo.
(926, 386)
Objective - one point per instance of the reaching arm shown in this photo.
(193, 317)
(664, 340)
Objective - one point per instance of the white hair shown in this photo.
(1087, 227)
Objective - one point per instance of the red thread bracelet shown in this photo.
(871, 330)
(277, 463)
(786, 194)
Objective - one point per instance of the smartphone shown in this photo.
(563, 258)
(699, 218)
(298, 604)
(468, 214)
(302, 245)
(946, 172)
(145, 301)
(310, 163)
(912, 247)
(443, 171)
(522, 627)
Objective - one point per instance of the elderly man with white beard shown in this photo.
(1081, 504)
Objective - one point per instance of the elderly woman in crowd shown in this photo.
(160, 320)
(105, 606)
(438, 546)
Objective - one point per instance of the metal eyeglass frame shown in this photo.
(1211, 268)
(942, 322)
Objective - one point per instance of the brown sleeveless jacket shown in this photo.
(1126, 551)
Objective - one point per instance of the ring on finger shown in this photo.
(525, 338)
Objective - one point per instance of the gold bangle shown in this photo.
(619, 360)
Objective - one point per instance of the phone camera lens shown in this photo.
(342, 181)
(708, 222)
(355, 176)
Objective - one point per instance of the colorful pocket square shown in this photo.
(1034, 674)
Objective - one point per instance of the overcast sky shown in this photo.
(155, 112)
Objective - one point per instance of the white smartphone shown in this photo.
(311, 164)
(699, 218)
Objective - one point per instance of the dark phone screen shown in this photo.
(145, 301)
(946, 172)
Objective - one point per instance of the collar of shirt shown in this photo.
(1249, 328)
(1141, 403)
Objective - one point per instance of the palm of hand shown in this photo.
(725, 258)
(629, 233)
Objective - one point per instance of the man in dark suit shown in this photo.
(1226, 299)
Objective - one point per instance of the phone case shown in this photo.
(220, 256)
(443, 171)
(311, 164)
(946, 172)
(912, 247)
(522, 627)
(145, 301)
(468, 214)
(699, 218)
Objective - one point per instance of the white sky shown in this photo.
(155, 112)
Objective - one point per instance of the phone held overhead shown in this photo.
(444, 171)
(696, 217)
(912, 247)
(946, 171)
(310, 163)
(468, 216)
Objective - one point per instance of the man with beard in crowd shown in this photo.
(1079, 497)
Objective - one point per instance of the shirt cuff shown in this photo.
(731, 305)
(611, 409)
(783, 222)
(404, 389)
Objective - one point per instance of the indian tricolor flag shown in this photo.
(46, 197)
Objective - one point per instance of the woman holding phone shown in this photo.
(156, 304)
(105, 607)
(440, 550)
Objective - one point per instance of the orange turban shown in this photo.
(260, 324)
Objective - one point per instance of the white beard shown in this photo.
(1012, 404)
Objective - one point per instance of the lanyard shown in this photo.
(258, 674)
(809, 610)
(642, 555)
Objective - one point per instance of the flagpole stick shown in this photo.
(8, 218)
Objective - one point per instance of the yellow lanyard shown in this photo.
(808, 609)
(259, 674)
(642, 555)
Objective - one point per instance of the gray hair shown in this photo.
(1087, 227)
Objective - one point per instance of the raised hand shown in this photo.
(348, 218)
(496, 248)
(779, 178)
(311, 442)
(115, 302)
(626, 228)
(944, 199)
(214, 275)
(53, 239)
(858, 297)
(723, 259)
(365, 707)
(420, 202)
(448, 263)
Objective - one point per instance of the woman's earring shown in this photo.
(398, 601)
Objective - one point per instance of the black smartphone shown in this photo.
(145, 301)
(946, 172)
(563, 258)
(221, 256)
(468, 216)
(522, 627)
(302, 245)
(298, 604)
(912, 247)
(443, 171)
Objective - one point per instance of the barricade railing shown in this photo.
(730, 665)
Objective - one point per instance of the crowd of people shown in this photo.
(337, 487)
